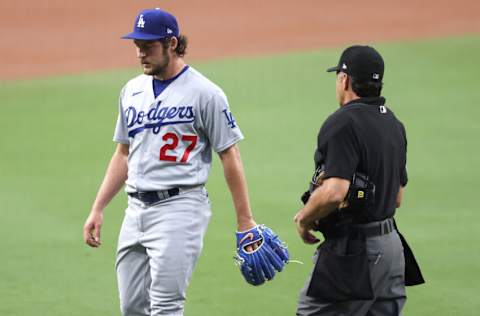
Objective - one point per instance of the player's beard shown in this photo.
(160, 68)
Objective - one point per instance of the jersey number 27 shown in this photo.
(171, 143)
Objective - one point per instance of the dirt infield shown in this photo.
(56, 36)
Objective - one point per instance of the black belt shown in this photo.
(375, 228)
(151, 197)
(371, 229)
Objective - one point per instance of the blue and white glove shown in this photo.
(276, 244)
(259, 264)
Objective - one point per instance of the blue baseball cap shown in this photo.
(153, 24)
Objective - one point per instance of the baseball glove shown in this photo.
(260, 264)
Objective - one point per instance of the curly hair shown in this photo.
(181, 48)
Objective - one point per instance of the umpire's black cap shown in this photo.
(363, 63)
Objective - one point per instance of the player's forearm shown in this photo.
(114, 179)
(235, 178)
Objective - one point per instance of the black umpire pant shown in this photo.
(387, 274)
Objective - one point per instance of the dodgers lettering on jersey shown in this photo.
(157, 117)
(170, 137)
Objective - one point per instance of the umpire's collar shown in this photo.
(369, 101)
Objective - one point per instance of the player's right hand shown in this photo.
(92, 228)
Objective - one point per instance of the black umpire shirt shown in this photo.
(365, 136)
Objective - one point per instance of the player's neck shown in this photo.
(175, 66)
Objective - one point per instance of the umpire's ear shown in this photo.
(347, 83)
(343, 81)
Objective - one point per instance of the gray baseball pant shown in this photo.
(158, 248)
(387, 274)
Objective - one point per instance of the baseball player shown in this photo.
(170, 118)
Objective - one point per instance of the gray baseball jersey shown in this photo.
(171, 136)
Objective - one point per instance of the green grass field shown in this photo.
(56, 141)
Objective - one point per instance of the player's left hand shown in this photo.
(247, 225)
(304, 231)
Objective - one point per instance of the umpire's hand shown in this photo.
(92, 227)
(305, 232)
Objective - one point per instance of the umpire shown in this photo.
(357, 185)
